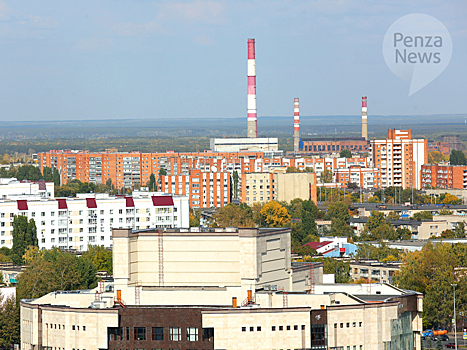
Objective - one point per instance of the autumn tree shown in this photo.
(100, 257)
(233, 215)
(435, 157)
(274, 214)
(422, 215)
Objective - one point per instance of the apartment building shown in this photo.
(374, 270)
(204, 189)
(134, 169)
(75, 223)
(367, 178)
(400, 159)
(444, 176)
(277, 185)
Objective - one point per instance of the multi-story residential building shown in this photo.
(444, 176)
(374, 270)
(134, 169)
(400, 159)
(75, 223)
(278, 185)
(367, 178)
(204, 189)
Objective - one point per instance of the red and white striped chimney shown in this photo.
(364, 119)
(251, 97)
(296, 125)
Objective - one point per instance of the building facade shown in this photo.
(75, 223)
(204, 189)
(444, 176)
(400, 159)
(332, 145)
(367, 178)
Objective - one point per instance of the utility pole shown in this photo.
(454, 319)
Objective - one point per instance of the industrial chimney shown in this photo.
(296, 125)
(251, 97)
(364, 119)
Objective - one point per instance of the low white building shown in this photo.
(11, 188)
(75, 223)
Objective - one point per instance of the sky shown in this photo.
(122, 59)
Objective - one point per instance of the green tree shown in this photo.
(457, 158)
(422, 215)
(24, 235)
(9, 321)
(234, 216)
(304, 251)
(235, 183)
(28, 172)
(338, 210)
(162, 172)
(345, 153)
(340, 269)
(308, 215)
(459, 230)
(326, 176)
(100, 257)
(152, 184)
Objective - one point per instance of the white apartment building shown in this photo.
(75, 223)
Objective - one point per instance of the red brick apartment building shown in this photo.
(444, 176)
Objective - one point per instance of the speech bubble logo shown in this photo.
(417, 48)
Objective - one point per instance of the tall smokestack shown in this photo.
(364, 119)
(296, 125)
(251, 97)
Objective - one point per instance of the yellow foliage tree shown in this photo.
(450, 199)
(274, 214)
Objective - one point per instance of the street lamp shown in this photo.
(455, 330)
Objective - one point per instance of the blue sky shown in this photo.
(112, 59)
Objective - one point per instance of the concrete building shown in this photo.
(204, 189)
(444, 176)
(366, 178)
(11, 188)
(454, 142)
(442, 147)
(249, 144)
(400, 159)
(75, 223)
(317, 145)
(277, 185)
(374, 270)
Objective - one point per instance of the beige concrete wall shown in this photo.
(289, 186)
(368, 325)
(229, 334)
(55, 327)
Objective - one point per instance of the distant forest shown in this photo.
(187, 135)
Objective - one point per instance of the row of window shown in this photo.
(157, 333)
(273, 328)
(62, 326)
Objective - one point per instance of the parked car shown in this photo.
(443, 337)
(452, 345)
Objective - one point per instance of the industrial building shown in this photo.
(219, 289)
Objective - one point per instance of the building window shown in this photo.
(288, 328)
(139, 333)
(192, 334)
(157, 333)
(252, 329)
(258, 328)
(175, 333)
(295, 328)
(243, 329)
(127, 333)
(281, 328)
(273, 328)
